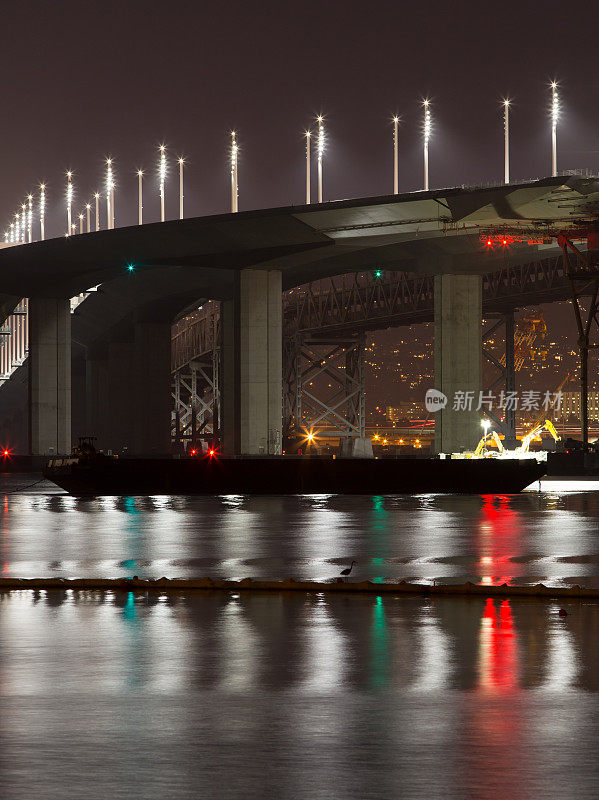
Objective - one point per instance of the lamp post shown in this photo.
(506, 145)
(109, 194)
(426, 137)
(97, 198)
(80, 223)
(234, 183)
(308, 188)
(181, 162)
(554, 119)
(43, 211)
(395, 155)
(162, 175)
(320, 121)
(30, 217)
(69, 199)
(140, 203)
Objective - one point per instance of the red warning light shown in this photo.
(193, 452)
(6, 453)
(211, 452)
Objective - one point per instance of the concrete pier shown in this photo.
(152, 403)
(50, 376)
(128, 391)
(458, 367)
(252, 365)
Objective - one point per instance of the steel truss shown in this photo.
(583, 277)
(196, 396)
(310, 401)
(506, 367)
(342, 309)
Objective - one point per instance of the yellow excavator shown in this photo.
(526, 440)
(493, 436)
(482, 445)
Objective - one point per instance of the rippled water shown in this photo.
(550, 535)
(232, 695)
(225, 696)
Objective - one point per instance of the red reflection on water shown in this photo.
(499, 538)
(498, 656)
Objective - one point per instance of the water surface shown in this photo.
(549, 536)
(223, 695)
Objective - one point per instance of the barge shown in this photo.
(100, 475)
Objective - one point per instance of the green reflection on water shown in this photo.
(379, 647)
(129, 607)
(378, 533)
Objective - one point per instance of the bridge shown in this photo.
(324, 323)
(149, 275)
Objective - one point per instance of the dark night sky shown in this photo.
(83, 80)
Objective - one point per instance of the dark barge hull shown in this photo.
(291, 475)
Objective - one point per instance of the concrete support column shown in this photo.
(50, 376)
(252, 390)
(96, 396)
(118, 412)
(152, 402)
(458, 367)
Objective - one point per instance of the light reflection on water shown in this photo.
(548, 536)
(146, 695)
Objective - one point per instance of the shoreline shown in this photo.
(249, 584)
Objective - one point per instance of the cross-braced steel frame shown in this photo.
(196, 396)
(324, 385)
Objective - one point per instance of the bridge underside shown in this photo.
(151, 273)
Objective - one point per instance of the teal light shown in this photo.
(130, 267)
(378, 273)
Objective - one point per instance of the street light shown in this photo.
(506, 146)
(426, 130)
(140, 206)
(181, 162)
(162, 175)
(554, 119)
(395, 155)
(308, 191)
(234, 183)
(321, 140)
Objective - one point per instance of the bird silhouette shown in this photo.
(347, 570)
